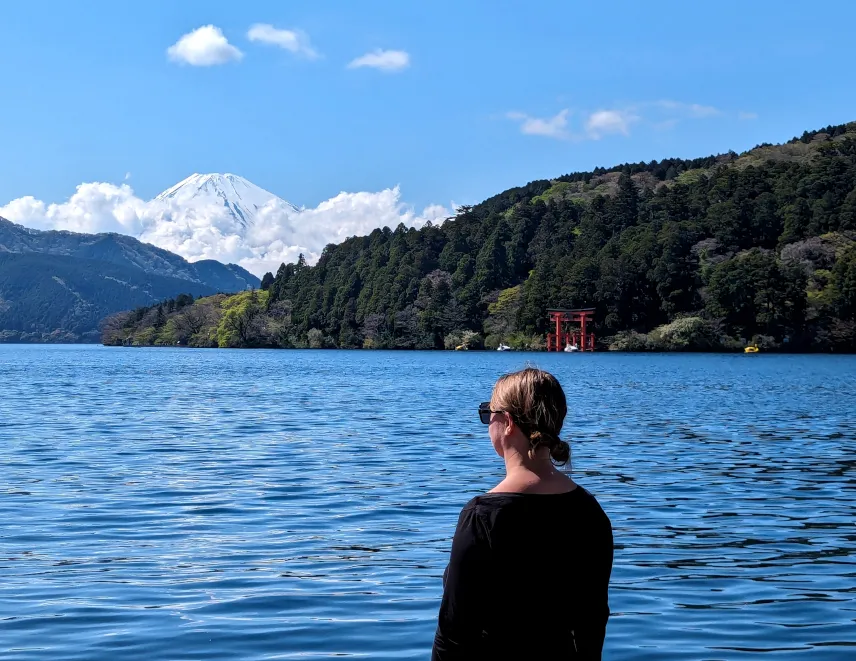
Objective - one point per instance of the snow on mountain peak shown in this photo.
(222, 217)
(242, 198)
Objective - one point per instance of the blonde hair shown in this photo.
(536, 402)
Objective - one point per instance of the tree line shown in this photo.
(710, 253)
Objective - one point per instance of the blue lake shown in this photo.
(184, 504)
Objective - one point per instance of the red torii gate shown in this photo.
(562, 337)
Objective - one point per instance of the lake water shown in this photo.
(184, 504)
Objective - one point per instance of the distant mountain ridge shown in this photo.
(123, 250)
(57, 285)
(57, 298)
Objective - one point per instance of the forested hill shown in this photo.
(56, 286)
(705, 253)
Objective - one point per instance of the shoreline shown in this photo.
(391, 350)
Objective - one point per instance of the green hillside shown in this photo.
(708, 253)
(58, 298)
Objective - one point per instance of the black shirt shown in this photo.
(527, 579)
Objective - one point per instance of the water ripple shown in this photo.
(180, 504)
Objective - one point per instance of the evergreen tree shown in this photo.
(720, 239)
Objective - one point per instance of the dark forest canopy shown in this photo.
(708, 253)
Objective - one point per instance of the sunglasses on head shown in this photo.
(485, 412)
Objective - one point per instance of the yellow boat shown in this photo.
(461, 347)
(753, 349)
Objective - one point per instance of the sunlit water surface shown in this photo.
(182, 504)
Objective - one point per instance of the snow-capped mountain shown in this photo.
(220, 217)
(240, 197)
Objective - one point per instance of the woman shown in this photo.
(530, 563)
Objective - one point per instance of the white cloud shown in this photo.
(551, 127)
(204, 47)
(385, 60)
(607, 122)
(700, 111)
(94, 207)
(747, 115)
(594, 125)
(659, 115)
(278, 235)
(294, 41)
(127, 176)
(694, 110)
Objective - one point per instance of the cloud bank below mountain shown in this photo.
(208, 231)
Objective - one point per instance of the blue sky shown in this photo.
(494, 94)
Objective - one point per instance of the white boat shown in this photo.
(503, 347)
(571, 347)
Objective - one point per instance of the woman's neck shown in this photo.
(539, 464)
(532, 474)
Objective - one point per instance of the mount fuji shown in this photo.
(221, 217)
(64, 266)
(242, 199)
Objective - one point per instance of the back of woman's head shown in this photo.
(536, 402)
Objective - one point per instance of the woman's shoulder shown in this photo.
(578, 500)
(499, 498)
(596, 509)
